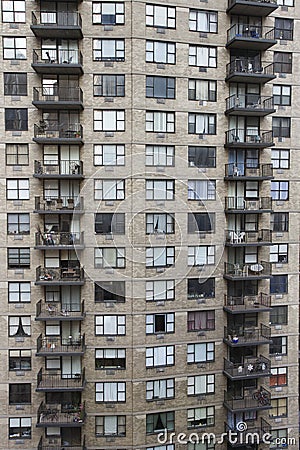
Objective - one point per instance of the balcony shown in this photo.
(242, 205)
(241, 271)
(56, 24)
(53, 381)
(241, 172)
(53, 415)
(47, 444)
(59, 277)
(257, 400)
(249, 368)
(249, 105)
(51, 132)
(59, 241)
(57, 346)
(59, 169)
(244, 70)
(57, 61)
(59, 205)
(52, 97)
(59, 311)
(244, 336)
(250, 37)
(240, 238)
(251, 7)
(251, 436)
(247, 303)
(248, 138)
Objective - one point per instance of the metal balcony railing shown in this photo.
(245, 204)
(58, 345)
(60, 274)
(251, 102)
(250, 367)
(56, 18)
(253, 434)
(62, 239)
(236, 170)
(57, 56)
(47, 444)
(250, 136)
(60, 381)
(258, 399)
(51, 93)
(250, 66)
(242, 30)
(242, 270)
(247, 335)
(60, 415)
(51, 129)
(58, 310)
(63, 203)
(59, 168)
(259, 2)
(241, 237)
(247, 302)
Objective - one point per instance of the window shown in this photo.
(160, 290)
(201, 189)
(19, 326)
(19, 292)
(160, 87)
(203, 90)
(109, 155)
(160, 356)
(283, 62)
(280, 190)
(200, 320)
(17, 189)
(203, 21)
(201, 56)
(110, 325)
(201, 255)
(160, 389)
(109, 85)
(280, 158)
(13, 11)
(201, 417)
(159, 422)
(18, 223)
(201, 446)
(285, 2)
(16, 119)
(15, 83)
(278, 407)
(160, 189)
(109, 120)
(200, 353)
(279, 284)
(19, 393)
(279, 315)
(109, 189)
(109, 50)
(279, 439)
(280, 222)
(19, 428)
(160, 223)
(110, 223)
(278, 376)
(111, 392)
(278, 345)
(160, 155)
(162, 447)
(160, 52)
(160, 122)
(202, 123)
(201, 385)
(110, 358)
(281, 127)
(201, 222)
(19, 360)
(202, 156)
(110, 425)
(108, 13)
(279, 253)
(17, 154)
(110, 257)
(18, 258)
(14, 47)
(160, 323)
(200, 288)
(160, 16)
(284, 29)
(282, 94)
(160, 257)
(107, 291)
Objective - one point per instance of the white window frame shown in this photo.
(160, 189)
(201, 384)
(13, 11)
(160, 356)
(160, 257)
(161, 52)
(109, 155)
(13, 325)
(160, 16)
(160, 223)
(279, 253)
(19, 291)
(108, 49)
(110, 353)
(20, 422)
(202, 90)
(110, 257)
(160, 389)
(160, 122)
(203, 21)
(110, 392)
(201, 417)
(160, 155)
(17, 189)
(202, 56)
(110, 425)
(169, 323)
(202, 123)
(201, 190)
(110, 325)
(160, 290)
(14, 47)
(109, 120)
(114, 9)
(280, 158)
(109, 189)
(200, 352)
(199, 255)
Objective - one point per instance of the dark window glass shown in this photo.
(106, 223)
(201, 222)
(15, 83)
(19, 393)
(202, 156)
(109, 291)
(280, 222)
(109, 85)
(283, 62)
(279, 284)
(200, 288)
(18, 258)
(16, 119)
(160, 87)
(284, 29)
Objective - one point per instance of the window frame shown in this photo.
(18, 257)
(17, 358)
(120, 426)
(281, 98)
(279, 315)
(279, 376)
(13, 85)
(19, 226)
(15, 47)
(279, 253)
(164, 55)
(166, 191)
(115, 223)
(280, 222)
(21, 293)
(160, 122)
(282, 66)
(196, 159)
(156, 226)
(152, 327)
(201, 385)
(118, 393)
(196, 324)
(119, 15)
(160, 356)
(16, 119)
(23, 325)
(278, 404)
(114, 191)
(108, 85)
(157, 158)
(208, 120)
(118, 322)
(282, 31)
(161, 294)
(201, 255)
(152, 16)
(115, 152)
(280, 287)
(211, 58)
(119, 358)
(202, 293)
(16, 393)
(206, 414)
(157, 257)
(16, 153)
(194, 352)
(166, 91)
(109, 120)
(195, 219)
(116, 291)
(26, 434)
(103, 257)
(101, 47)
(166, 385)
(280, 190)
(166, 418)
(278, 343)
(281, 127)
(283, 163)
(195, 23)
(208, 188)
(17, 186)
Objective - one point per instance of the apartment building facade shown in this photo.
(150, 211)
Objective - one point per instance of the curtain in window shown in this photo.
(159, 389)
(202, 56)
(159, 356)
(203, 24)
(160, 52)
(110, 392)
(110, 325)
(160, 122)
(110, 425)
